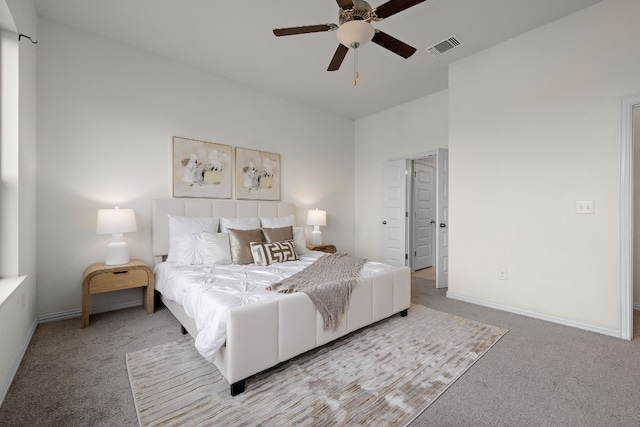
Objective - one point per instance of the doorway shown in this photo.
(422, 209)
(397, 231)
(435, 166)
(629, 110)
(439, 221)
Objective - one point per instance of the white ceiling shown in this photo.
(234, 39)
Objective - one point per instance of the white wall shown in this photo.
(107, 114)
(412, 128)
(534, 127)
(18, 310)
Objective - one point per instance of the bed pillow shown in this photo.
(216, 248)
(239, 224)
(181, 225)
(300, 241)
(278, 222)
(239, 241)
(272, 235)
(188, 249)
(268, 253)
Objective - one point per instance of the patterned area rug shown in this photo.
(385, 374)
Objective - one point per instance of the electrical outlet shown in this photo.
(584, 206)
(502, 274)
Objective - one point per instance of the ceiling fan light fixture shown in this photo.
(355, 33)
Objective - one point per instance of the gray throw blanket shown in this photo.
(328, 282)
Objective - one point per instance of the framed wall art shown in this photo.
(257, 175)
(201, 169)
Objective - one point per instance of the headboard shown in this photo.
(207, 208)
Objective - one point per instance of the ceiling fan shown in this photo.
(355, 29)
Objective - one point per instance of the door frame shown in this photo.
(626, 216)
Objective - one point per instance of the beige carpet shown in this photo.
(428, 273)
(386, 374)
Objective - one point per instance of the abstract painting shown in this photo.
(201, 169)
(257, 175)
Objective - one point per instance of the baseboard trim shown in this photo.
(4, 387)
(554, 319)
(76, 313)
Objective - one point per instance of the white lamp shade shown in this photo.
(115, 222)
(351, 32)
(317, 217)
(112, 221)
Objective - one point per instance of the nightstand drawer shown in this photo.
(113, 281)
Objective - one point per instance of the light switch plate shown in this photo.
(584, 206)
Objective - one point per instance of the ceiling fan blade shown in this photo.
(394, 6)
(393, 44)
(304, 30)
(338, 57)
(345, 4)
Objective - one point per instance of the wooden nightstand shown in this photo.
(100, 278)
(330, 249)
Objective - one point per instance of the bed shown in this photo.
(268, 329)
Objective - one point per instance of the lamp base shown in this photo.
(316, 237)
(117, 253)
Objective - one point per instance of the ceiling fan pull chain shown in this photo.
(355, 67)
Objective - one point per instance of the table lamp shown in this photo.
(116, 222)
(316, 218)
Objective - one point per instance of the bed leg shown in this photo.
(237, 387)
(183, 330)
(404, 312)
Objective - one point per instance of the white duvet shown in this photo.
(207, 292)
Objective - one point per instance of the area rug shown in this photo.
(385, 374)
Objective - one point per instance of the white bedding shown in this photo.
(207, 292)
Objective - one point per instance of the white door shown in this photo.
(394, 202)
(442, 220)
(423, 214)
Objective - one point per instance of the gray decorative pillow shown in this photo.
(268, 253)
(272, 235)
(240, 240)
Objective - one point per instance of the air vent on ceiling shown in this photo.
(444, 46)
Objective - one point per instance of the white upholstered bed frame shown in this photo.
(264, 334)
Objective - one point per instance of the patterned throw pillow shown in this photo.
(268, 253)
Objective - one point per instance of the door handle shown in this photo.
(442, 225)
(384, 222)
